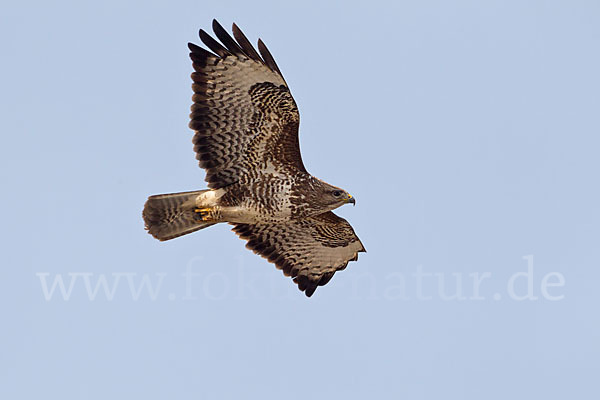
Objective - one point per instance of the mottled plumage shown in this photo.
(246, 124)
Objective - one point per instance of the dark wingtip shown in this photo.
(216, 25)
(193, 47)
(225, 38)
(245, 44)
(267, 57)
(212, 44)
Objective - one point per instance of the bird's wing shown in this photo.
(245, 118)
(310, 250)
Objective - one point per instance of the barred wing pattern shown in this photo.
(245, 118)
(309, 250)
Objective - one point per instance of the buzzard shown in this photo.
(246, 138)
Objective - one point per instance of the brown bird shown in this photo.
(246, 138)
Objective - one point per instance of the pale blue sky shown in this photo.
(467, 131)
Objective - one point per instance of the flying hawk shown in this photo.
(246, 138)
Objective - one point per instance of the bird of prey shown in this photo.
(246, 138)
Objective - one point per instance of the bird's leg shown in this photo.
(204, 214)
(219, 213)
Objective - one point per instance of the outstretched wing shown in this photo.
(309, 250)
(245, 118)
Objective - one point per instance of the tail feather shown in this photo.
(168, 216)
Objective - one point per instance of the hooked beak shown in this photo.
(351, 200)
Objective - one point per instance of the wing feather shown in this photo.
(309, 250)
(266, 55)
(213, 44)
(245, 118)
(227, 40)
(245, 44)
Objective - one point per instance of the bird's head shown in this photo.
(333, 197)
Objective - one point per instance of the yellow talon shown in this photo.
(203, 213)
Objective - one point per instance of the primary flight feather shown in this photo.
(246, 123)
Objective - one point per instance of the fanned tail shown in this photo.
(168, 216)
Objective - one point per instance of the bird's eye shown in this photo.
(337, 193)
